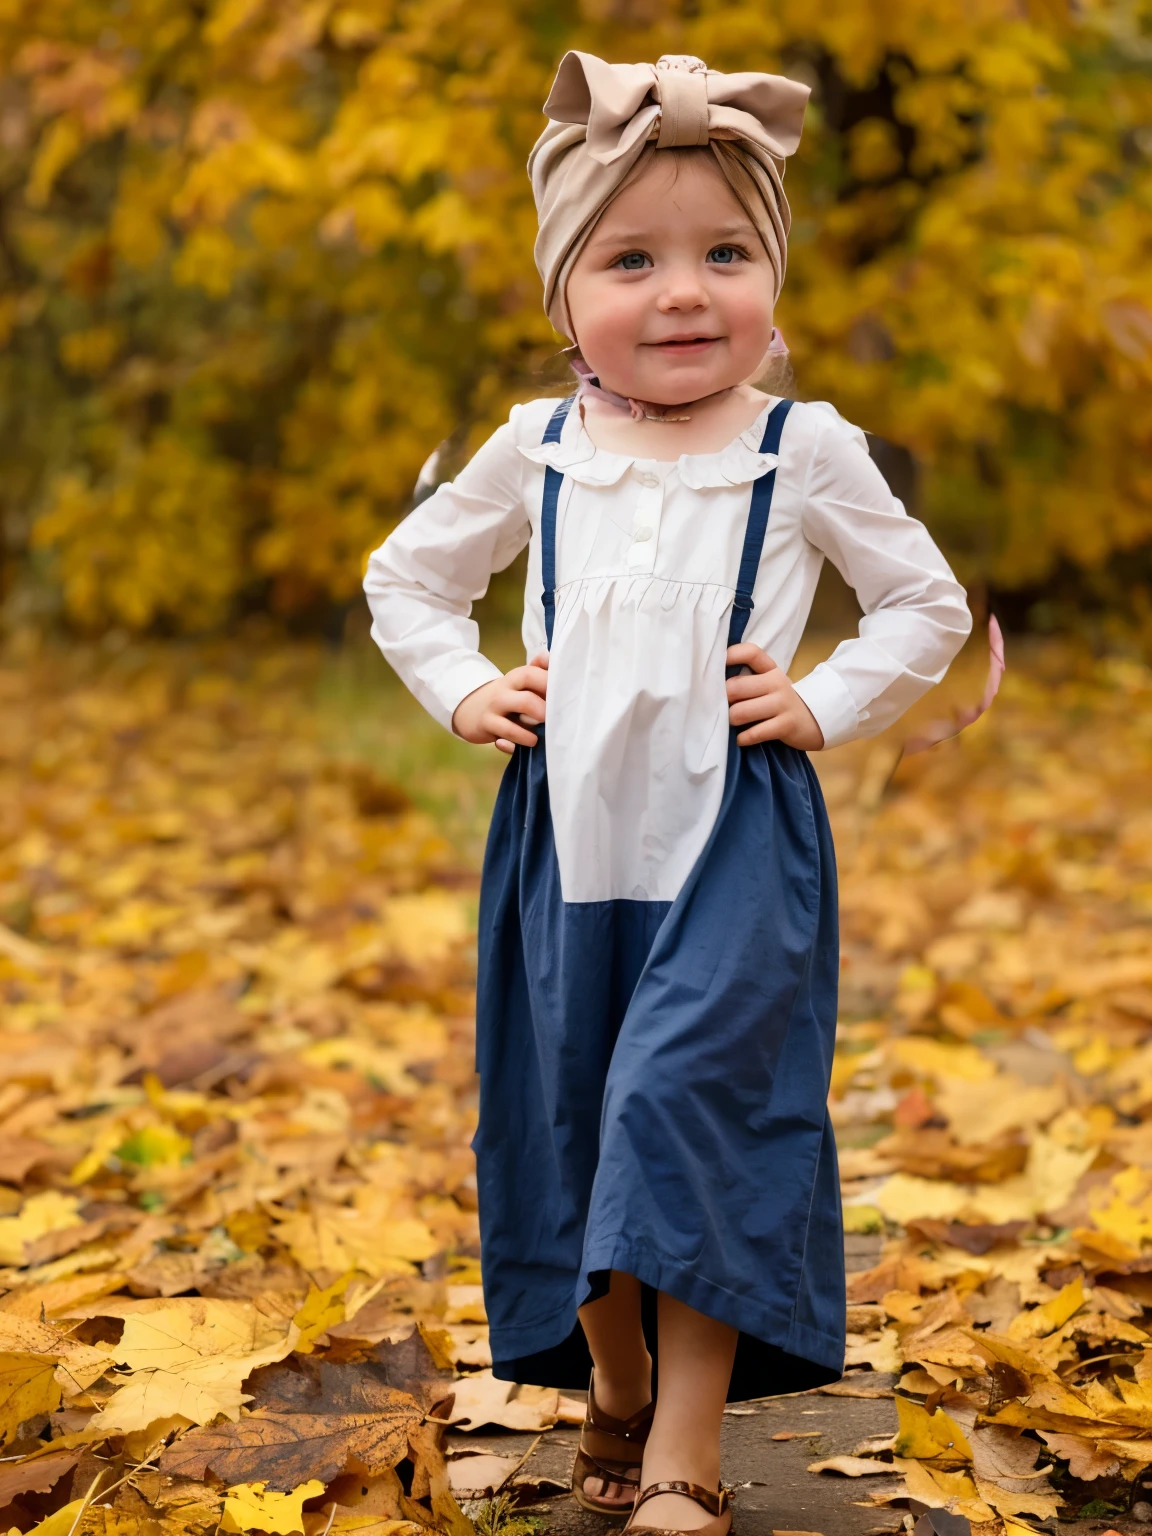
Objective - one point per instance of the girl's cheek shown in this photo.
(748, 318)
(611, 323)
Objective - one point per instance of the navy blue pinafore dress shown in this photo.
(654, 1074)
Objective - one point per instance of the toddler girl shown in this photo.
(658, 935)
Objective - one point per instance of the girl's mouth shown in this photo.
(682, 344)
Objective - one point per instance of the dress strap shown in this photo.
(553, 480)
(757, 527)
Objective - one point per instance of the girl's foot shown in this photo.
(606, 1472)
(677, 1505)
(681, 1474)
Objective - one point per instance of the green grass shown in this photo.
(365, 713)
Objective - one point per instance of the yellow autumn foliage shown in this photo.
(260, 258)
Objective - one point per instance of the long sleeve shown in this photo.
(422, 581)
(916, 615)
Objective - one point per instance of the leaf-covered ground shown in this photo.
(238, 1254)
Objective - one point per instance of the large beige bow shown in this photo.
(603, 117)
(620, 102)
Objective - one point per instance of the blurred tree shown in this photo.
(260, 256)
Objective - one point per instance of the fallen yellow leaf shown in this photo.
(39, 1215)
(28, 1387)
(924, 1436)
(321, 1310)
(248, 1507)
(189, 1357)
(1051, 1315)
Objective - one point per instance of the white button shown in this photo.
(642, 535)
(649, 479)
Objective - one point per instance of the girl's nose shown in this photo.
(682, 290)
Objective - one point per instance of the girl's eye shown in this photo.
(634, 261)
(724, 255)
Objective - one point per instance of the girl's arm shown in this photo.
(916, 614)
(422, 581)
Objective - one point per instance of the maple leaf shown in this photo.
(189, 1358)
(39, 1215)
(79, 1364)
(321, 1310)
(1085, 1460)
(928, 1436)
(247, 1507)
(28, 1387)
(481, 1399)
(307, 1419)
(342, 1239)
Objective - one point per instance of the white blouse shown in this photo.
(647, 552)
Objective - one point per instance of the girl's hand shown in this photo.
(766, 696)
(494, 712)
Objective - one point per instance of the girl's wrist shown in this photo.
(467, 714)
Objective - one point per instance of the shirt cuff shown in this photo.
(833, 707)
(455, 683)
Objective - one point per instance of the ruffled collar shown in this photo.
(577, 456)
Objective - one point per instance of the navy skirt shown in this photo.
(654, 1081)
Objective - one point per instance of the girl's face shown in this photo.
(671, 296)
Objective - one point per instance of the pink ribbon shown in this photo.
(942, 730)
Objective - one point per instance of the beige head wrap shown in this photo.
(604, 116)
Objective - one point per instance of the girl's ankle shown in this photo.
(620, 1395)
(685, 1459)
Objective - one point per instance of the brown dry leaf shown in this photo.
(1003, 1456)
(1085, 1460)
(862, 1384)
(36, 1475)
(20, 1154)
(480, 1475)
(852, 1466)
(308, 1417)
(481, 1399)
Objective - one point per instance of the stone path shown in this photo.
(773, 1490)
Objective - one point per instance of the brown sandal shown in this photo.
(612, 1450)
(715, 1503)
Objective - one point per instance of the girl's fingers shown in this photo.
(533, 678)
(752, 685)
(522, 702)
(767, 730)
(504, 746)
(747, 655)
(501, 728)
(763, 707)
